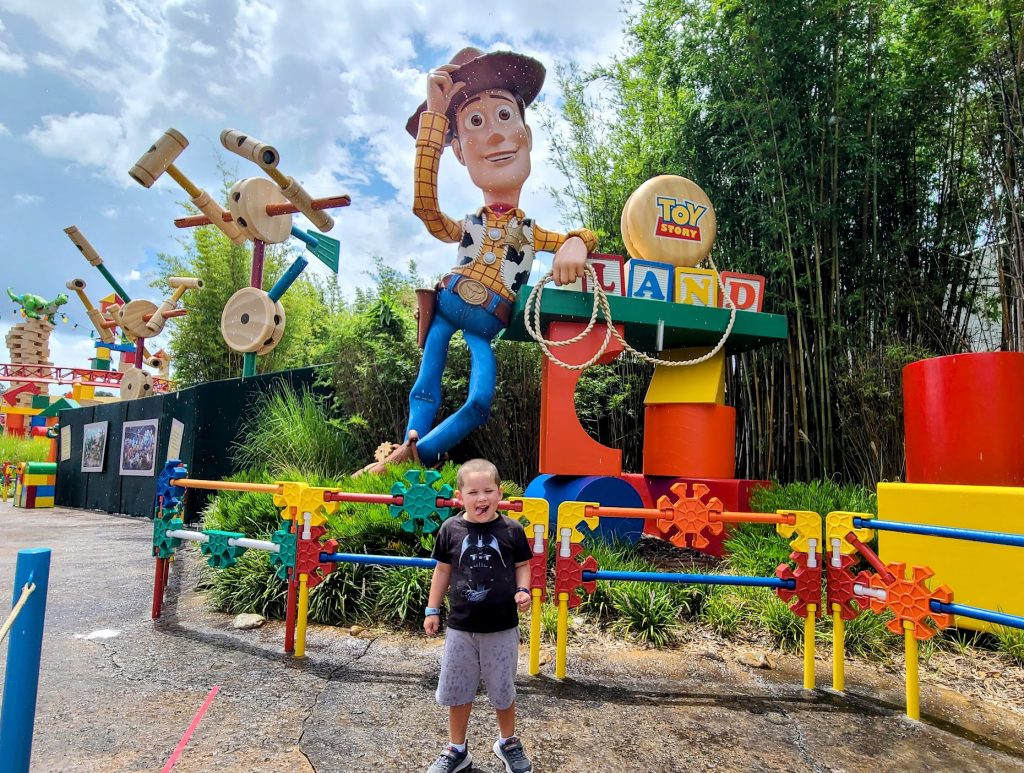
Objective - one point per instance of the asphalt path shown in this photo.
(118, 691)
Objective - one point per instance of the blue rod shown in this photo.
(21, 682)
(289, 276)
(359, 558)
(971, 535)
(1010, 621)
(695, 579)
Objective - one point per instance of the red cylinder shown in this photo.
(693, 440)
(963, 416)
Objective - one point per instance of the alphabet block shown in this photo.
(745, 290)
(696, 286)
(651, 280)
(610, 272)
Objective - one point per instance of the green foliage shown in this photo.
(18, 449)
(645, 612)
(248, 512)
(866, 636)
(402, 594)
(286, 431)
(1011, 642)
(724, 611)
(820, 496)
(248, 586)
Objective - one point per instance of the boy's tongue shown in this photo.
(481, 509)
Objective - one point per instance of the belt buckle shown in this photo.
(472, 292)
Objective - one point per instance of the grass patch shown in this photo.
(19, 449)
(1011, 642)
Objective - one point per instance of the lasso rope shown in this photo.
(531, 319)
(26, 591)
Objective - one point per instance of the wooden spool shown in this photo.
(275, 335)
(250, 319)
(136, 383)
(133, 317)
(248, 200)
(669, 219)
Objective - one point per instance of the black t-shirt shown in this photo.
(483, 557)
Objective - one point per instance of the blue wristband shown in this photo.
(431, 612)
(523, 590)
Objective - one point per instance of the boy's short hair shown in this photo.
(478, 465)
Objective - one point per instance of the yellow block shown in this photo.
(19, 411)
(39, 480)
(703, 383)
(980, 575)
(81, 392)
(44, 502)
(696, 286)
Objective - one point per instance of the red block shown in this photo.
(964, 419)
(733, 492)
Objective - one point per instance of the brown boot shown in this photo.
(399, 454)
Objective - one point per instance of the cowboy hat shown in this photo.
(520, 74)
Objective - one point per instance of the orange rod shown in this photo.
(626, 512)
(753, 518)
(227, 485)
(284, 208)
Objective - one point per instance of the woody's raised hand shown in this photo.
(441, 88)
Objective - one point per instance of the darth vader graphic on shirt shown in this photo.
(480, 558)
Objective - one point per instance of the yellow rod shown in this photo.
(913, 685)
(535, 632)
(279, 177)
(562, 639)
(228, 485)
(809, 647)
(300, 622)
(838, 649)
(179, 177)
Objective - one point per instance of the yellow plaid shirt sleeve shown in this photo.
(550, 241)
(429, 144)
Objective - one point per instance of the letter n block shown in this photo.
(696, 286)
(611, 273)
(651, 280)
(745, 290)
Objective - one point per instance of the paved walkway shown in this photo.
(118, 691)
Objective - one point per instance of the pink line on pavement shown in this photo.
(191, 729)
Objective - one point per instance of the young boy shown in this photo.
(483, 558)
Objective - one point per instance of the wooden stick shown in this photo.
(284, 208)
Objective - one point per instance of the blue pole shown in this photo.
(695, 579)
(359, 558)
(21, 683)
(289, 276)
(1010, 621)
(970, 535)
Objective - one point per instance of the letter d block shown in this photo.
(610, 272)
(745, 290)
(696, 286)
(651, 280)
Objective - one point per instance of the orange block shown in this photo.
(565, 447)
(695, 440)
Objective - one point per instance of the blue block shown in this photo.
(45, 491)
(608, 492)
(651, 280)
(38, 421)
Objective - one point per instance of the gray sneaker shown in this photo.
(452, 760)
(512, 754)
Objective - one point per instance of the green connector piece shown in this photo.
(163, 545)
(284, 560)
(221, 555)
(419, 511)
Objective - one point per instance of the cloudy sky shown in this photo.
(87, 85)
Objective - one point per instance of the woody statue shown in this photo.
(477, 104)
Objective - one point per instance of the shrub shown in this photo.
(19, 449)
(645, 612)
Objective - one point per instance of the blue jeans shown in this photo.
(479, 327)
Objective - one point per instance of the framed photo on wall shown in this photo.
(138, 447)
(94, 446)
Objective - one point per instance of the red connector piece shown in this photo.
(307, 556)
(808, 585)
(691, 521)
(539, 573)
(839, 582)
(910, 600)
(569, 575)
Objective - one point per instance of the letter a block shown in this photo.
(651, 280)
(610, 272)
(696, 286)
(745, 290)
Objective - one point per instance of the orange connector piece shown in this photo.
(909, 600)
(689, 521)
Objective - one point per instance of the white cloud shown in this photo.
(27, 198)
(134, 275)
(11, 62)
(110, 213)
(72, 24)
(87, 138)
(202, 49)
(4, 131)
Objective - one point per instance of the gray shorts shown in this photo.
(469, 656)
